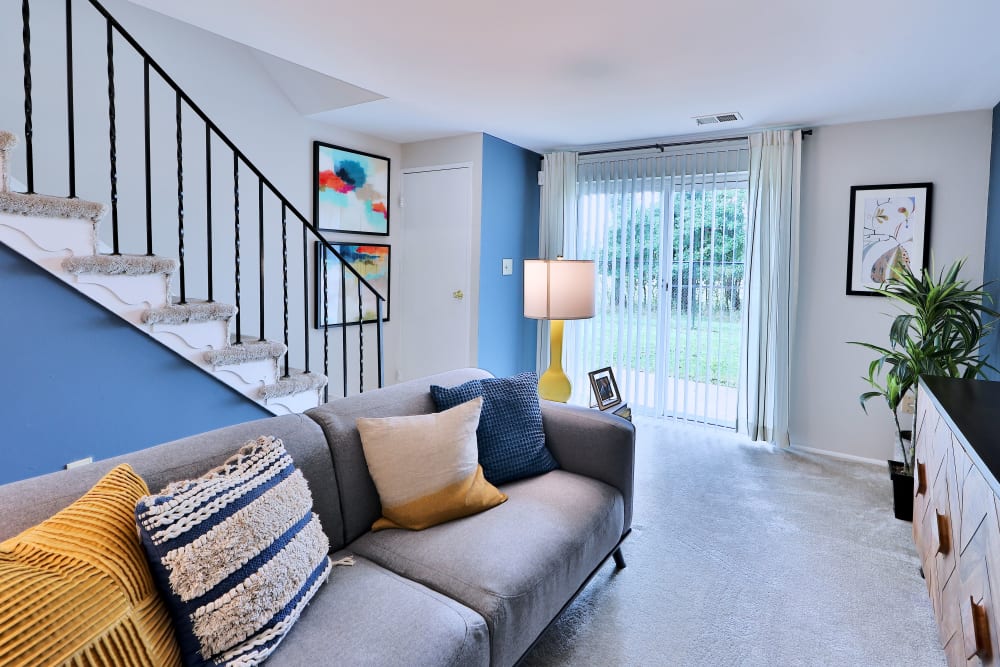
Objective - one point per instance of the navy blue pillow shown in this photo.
(510, 435)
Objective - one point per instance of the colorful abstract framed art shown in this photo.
(350, 190)
(890, 228)
(372, 262)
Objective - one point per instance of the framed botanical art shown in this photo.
(350, 190)
(602, 382)
(372, 262)
(890, 228)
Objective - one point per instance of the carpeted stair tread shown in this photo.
(8, 140)
(293, 384)
(120, 265)
(51, 207)
(245, 352)
(192, 311)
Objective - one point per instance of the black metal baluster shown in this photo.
(28, 126)
(180, 197)
(361, 342)
(305, 298)
(71, 121)
(378, 340)
(326, 331)
(113, 139)
(260, 218)
(343, 320)
(284, 275)
(208, 209)
(236, 222)
(148, 156)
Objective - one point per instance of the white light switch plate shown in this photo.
(507, 267)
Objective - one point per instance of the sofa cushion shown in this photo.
(426, 467)
(367, 615)
(510, 434)
(517, 564)
(338, 420)
(30, 501)
(238, 553)
(76, 588)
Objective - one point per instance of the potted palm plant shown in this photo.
(938, 333)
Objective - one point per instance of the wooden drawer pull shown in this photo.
(921, 478)
(944, 533)
(976, 631)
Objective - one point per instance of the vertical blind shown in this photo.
(666, 232)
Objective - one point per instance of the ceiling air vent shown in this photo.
(718, 118)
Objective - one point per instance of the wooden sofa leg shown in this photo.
(619, 559)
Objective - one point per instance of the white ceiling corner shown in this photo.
(309, 91)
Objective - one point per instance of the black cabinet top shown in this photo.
(972, 408)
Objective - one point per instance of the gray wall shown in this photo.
(79, 382)
(950, 150)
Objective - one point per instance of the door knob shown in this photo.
(458, 295)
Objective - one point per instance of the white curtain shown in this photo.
(770, 286)
(558, 211)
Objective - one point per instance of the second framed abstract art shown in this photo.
(371, 261)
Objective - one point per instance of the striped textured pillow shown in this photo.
(237, 553)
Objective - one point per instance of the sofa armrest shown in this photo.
(592, 443)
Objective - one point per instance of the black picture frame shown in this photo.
(351, 190)
(338, 279)
(889, 224)
(602, 383)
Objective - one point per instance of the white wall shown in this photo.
(950, 150)
(466, 148)
(230, 85)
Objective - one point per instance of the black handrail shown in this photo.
(181, 98)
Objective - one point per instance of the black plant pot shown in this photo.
(902, 492)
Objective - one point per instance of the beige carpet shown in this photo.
(744, 555)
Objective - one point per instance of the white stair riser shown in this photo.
(151, 291)
(202, 336)
(300, 402)
(261, 372)
(68, 236)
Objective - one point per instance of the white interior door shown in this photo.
(436, 270)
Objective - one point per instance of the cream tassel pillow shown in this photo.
(426, 467)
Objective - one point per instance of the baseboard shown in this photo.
(838, 455)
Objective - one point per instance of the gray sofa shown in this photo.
(476, 591)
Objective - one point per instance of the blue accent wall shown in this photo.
(81, 382)
(991, 270)
(509, 230)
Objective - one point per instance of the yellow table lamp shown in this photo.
(557, 290)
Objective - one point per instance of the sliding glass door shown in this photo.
(667, 233)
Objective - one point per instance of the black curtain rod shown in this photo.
(660, 147)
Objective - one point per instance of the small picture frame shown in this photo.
(889, 229)
(605, 389)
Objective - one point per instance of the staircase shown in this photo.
(61, 236)
(153, 291)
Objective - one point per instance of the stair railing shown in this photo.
(242, 167)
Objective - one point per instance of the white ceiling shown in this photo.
(559, 73)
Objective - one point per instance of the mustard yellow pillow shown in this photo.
(426, 467)
(76, 588)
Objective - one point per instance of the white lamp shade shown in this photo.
(558, 289)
